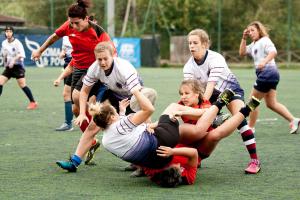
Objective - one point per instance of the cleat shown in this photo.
(64, 127)
(253, 167)
(253, 103)
(32, 106)
(131, 167)
(67, 165)
(91, 152)
(220, 119)
(139, 172)
(226, 96)
(294, 126)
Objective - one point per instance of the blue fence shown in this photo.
(128, 48)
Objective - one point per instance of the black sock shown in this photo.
(219, 104)
(245, 111)
(1, 86)
(28, 93)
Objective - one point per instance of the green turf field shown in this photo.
(29, 147)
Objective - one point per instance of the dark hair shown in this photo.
(101, 113)
(79, 9)
(196, 86)
(9, 28)
(169, 177)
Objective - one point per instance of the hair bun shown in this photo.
(84, 3)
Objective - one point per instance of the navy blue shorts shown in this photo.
(267, 79)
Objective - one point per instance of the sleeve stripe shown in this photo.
(129, 76)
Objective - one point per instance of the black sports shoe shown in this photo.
(226, 96)
(91, 152)
(220, 119)
(253, 103)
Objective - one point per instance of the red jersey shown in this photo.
(204, 104)
(83, 43)
(188, 173)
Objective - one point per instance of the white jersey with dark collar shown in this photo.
(122, 136)
(260, 49)
(213, 68)
(10, 50)
(121, 80)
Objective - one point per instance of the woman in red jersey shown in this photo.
(84, 35)
(198, 134)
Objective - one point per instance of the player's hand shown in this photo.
(123, 105)
(80, 119)
(261, 65)
(35, 55)
(150, 129)
(173, 116)
(56, 82)
(11, 64)
(164, 151)
(245, 33)
(62, 55)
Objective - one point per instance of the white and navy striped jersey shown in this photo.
(121, 80)
(122, 135)
(67, 46)
(260, 49)
(213, 68)
(10, 50)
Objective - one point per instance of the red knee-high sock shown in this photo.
(85, 124)
(249, 141)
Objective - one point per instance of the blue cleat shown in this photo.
(67, 165)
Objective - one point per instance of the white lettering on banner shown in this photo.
(127, 50)
(49, 57)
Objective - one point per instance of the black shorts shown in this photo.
(114, 101)
(167, 132)
(68, 79)
(17, 71)
(77, 76)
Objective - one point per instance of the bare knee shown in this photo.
(271, 105)
(214, 136)
(75, 110)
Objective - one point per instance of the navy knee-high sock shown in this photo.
(28, 93)
(68, 112)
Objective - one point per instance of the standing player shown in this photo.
(14, 54)
(263, 52)
(84, 35)
(211, 69)
(66, 55)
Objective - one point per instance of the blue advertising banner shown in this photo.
(50, 57)
(128, 48)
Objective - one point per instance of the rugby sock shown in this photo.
(85, 124)
(76, 160)
(1, 86)
(28, 93)
(219, 104)
(68, 112)
(245, 111)
(248, 139)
